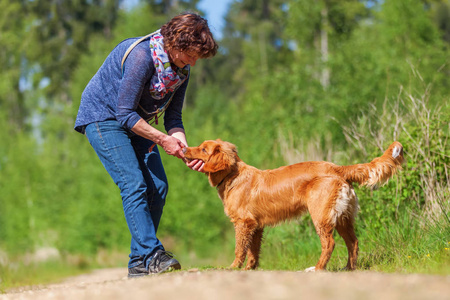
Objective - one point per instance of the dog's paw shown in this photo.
(235, 266)
(311, 269)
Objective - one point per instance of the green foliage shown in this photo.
(266, 91)
(62, 30)
(12, 27)
(50, 209)
(423, 187)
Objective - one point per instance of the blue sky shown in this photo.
(215, 12)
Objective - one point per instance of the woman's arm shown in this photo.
(173, 143)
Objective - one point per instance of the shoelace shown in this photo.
(161, 256)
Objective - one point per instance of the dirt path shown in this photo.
(222, 284)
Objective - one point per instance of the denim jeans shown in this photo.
(140, 176)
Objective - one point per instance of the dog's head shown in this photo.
(217, 155)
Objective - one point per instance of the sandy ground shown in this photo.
(223, 284)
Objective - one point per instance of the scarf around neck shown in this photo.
(165, 80)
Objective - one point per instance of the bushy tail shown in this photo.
(378, 171)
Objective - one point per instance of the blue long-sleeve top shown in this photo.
(111, 96)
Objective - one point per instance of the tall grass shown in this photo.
(402, 227)
(424, 132)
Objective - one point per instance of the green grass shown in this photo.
(405, 246)
(19, 274)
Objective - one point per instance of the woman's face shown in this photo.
(182, 58)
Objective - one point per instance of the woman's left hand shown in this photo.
(196, 165)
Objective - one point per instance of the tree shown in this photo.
(63, 29)
(252, 43)
(13, 24)
(316, 27)
(440, 13)
(171, 7)
(43, 41)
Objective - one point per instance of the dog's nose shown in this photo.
(184, 150)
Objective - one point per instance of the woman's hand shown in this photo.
(196, 164)
(173, 146)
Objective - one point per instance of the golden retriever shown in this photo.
(255, 198)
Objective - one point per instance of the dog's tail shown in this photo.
(378, 171)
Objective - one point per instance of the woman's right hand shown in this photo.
(173, 146)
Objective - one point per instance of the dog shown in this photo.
(254, 198)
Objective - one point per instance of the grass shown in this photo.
(435, 261)
(406, 246)
(19, 274)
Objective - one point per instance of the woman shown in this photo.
(139, 79)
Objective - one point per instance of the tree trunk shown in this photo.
(325, 76)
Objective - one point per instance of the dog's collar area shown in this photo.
(223, 180)
(217, 186)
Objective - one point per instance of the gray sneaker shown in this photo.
(137, 271)
(163, 261)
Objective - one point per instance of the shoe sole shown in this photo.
(170, 268)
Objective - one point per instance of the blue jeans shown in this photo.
(140, 176)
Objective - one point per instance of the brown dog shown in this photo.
(255, 198)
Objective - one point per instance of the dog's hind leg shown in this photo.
(254, 250)
(327, 241)
(320, 195)
(244, 230)
(347, 232)
(348, 203)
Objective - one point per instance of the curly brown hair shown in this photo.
(189, 32)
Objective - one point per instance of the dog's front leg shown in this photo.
(244, 230)
(254, 249)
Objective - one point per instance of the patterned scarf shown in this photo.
(165, 80)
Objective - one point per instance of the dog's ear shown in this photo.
(218, 161)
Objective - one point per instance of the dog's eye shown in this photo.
(204, 150)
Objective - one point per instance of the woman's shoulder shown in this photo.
(125, 44)
(140, 51)
(139, 54)
(139, 59)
